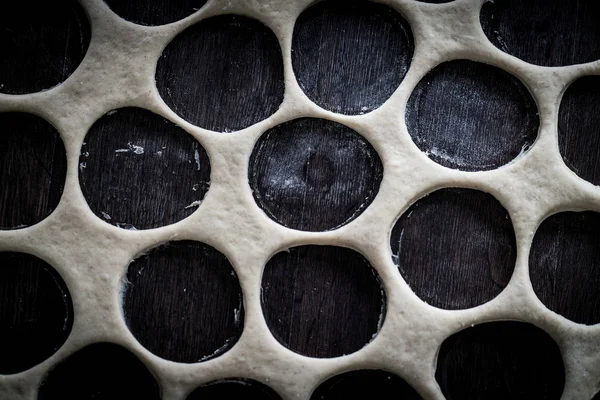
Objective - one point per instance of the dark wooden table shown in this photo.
(348, 58)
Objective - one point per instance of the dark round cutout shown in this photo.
(455, 248)
(101, 371)
(153, 12)
(349, 57)
(33, 166)
(471, 116)
(42, 43)
(233, 388)
(544, 32)
(313, 174)
(36, 313)
(183, 302)
(139, 171)
(312, 296)
(365, 384)
(564, 265)
(499, 361)
(224, 73)
(578, 121)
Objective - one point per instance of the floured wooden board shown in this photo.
(236, 217)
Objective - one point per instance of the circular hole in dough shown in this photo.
(312, 296)
(471, 116)
(349, 57)
(233, 388)
(183, 302)
(564, 265)
(224, 73)
(100, 371)
(500, 360)
(33, 167)
(154, 12)
(36, 312)
(314, 174)
(578, 122)
(544, 32)
(365, 384)
(455, 248)
(42, 43)
(137, 170)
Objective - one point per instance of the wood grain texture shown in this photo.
(322, 301)
(544, 32)
(471, 116)
(101, 371)
(33, 166)
(578, 128)
(455, 248)
(564, 265)
(198, 74)
(350, 56)
(36, 313)
(500, 361)
(153, 12)
(233, 388)
(42, 43)
(314, 174)
(365, 384)
(224, 73)
(183, 302)
(138, 171)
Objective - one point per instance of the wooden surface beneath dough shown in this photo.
(359, 32)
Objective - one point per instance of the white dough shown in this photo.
(93, 256)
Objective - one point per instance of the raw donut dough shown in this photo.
(93, 256)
